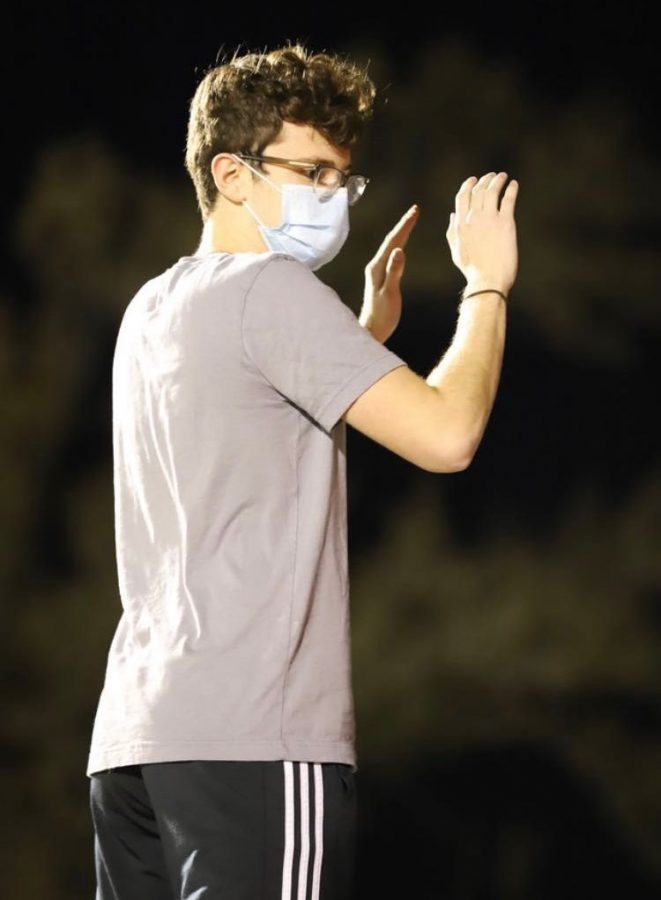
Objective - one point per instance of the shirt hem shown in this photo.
(130, 753)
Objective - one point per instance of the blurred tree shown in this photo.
(560, 642)
(91, 231)
(588, 211)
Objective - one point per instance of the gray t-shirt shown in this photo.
(230, 376)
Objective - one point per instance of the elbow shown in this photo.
(456, 459)
(467, 447)
(462, 462)
(469, 451)
(459, 442)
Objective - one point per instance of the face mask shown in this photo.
(312, 230)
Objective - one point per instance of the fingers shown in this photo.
(463, 199)
(478, 192)
(395, 264)
(509, 197)
(405, 225)
(484, 193)
(399, 235)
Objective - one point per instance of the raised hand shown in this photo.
(482, 235)
(382, 299)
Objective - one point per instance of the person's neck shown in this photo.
(225, 231)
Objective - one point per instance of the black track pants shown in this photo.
(224, 830)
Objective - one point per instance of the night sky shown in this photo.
(127, 71)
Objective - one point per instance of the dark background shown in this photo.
(507, 619)
(129, 71)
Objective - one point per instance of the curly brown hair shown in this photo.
(240, 105)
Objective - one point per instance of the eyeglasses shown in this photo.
(326, 178)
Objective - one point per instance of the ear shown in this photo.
(229, 177)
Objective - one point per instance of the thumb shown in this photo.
(395, 264)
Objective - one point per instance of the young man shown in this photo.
(222, 760)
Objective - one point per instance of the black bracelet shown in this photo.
(486, 291)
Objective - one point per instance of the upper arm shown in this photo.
(410, 417)
(307, 344)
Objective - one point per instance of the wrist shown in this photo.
(482, 291)
(369, 324)
(467, 294)
(472, 286)
(477, 281)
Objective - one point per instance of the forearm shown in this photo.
(468, 374)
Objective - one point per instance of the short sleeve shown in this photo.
(307, 343)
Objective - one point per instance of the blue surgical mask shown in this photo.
(312, 230)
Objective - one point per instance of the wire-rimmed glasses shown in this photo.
(326, 179)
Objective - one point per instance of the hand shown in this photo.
(481, 236)
(382, 300)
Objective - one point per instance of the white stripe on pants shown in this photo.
(290, 830)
